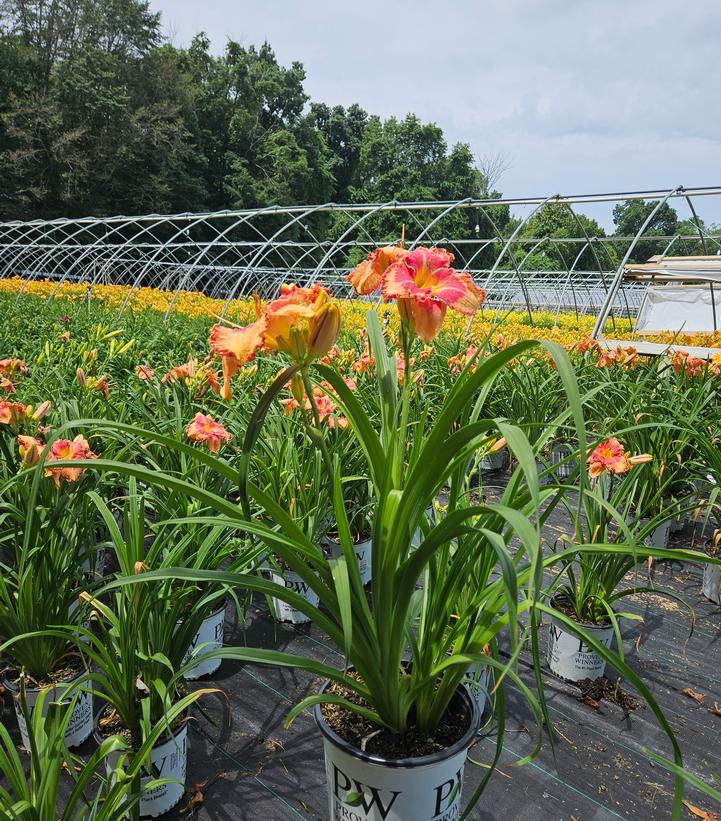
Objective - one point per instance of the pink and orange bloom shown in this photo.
(61, 450)
(302, 322)
(325, 407)
(144, 372)
(367, 276)
(458, 362)
(13, 367)
(691, 366)
(610, 457)
(198, 378)
(14, 414)
(205, 429)
(423, 284)
(624, 357)
(364, 363)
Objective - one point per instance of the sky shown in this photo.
(576, 96)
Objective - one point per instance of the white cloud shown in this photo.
(581, 95)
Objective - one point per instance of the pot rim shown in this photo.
(329, 540)
(463, 743)
(14, 689)
(586, 624)
(215, 612)
(99, 738)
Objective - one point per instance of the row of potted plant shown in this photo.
(451, 574)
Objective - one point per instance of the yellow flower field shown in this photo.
(500, 326)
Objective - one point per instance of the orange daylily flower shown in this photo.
(715, 364)
(6, 385)
(365, 362)
(325, 406)
(333, 354)
(459, 361)
(610, 457)
(206, 429)
(144, 372)
(585, 345)
(194, 376)
(302, 322)
(367, 276)
(63, 449)
(426, 273)
(11, 413)
(625, 357)
(236, 346)
(423, 284)
(692, 366)
(13, 366)
(15, 413)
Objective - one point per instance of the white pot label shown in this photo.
(209, 637)
(284, 611)
(363, 552)
(478, 680)
(711, 587)
(570, 658)
(79, 727)
(170, 760)
(363, 791)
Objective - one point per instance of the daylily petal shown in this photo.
(367, 276)
(240, 343)
(428, 317)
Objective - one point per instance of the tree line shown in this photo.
(100, 114)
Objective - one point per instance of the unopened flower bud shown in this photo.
(324, 330)
(42, 409)
(297, 388)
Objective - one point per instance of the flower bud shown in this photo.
(324, 330)
(42, 409)
(30, 450)
(297, 388)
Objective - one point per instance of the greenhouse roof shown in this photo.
(685, 269)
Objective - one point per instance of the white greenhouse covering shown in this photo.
(686, 308)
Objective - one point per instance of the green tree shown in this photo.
(556, 221)
(96, 122)
(98, 115)
(629, 217)
(343, 134)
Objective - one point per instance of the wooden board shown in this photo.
(657, 348)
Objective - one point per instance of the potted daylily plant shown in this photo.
(34, 792)
(406, 691)
(138, 641)
(44, 518)
(397, 720)
(588, 587)
(290, 471)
